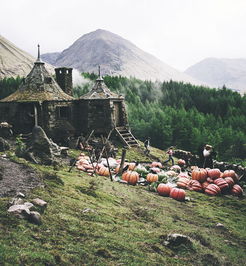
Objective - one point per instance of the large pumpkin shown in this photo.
(185, 175)
(205, 184)
(237, 190)
(214, 173)
(151, 177)
(156, 164)
(212, 190)
(221, 183)
(199, 174)
(163, 189)
(230, 173)
(131, 177)
(104, 171)
(177, 194)
(183, 182)
(181, 162)
(195, 185)
(229, 181)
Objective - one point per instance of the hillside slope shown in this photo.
(14, 61)
(116, 56)
(90, 220)
(218, 72)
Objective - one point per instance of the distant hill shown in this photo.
(218, 72)
(14, 61)
(116, 56)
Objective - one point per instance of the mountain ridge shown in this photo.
(218, 72)
(117, 56)
(15, 61)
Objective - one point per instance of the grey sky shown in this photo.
(179, 32)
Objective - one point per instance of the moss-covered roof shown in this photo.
(101, 91)
(39, 85)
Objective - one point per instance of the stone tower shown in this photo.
(64, 79)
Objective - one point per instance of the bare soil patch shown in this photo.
(16, 178)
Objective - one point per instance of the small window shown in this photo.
(63, 112)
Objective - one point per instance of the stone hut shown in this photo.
(102, 109)
(40, 101)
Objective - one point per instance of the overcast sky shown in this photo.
(179, 32)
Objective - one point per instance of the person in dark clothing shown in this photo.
(206, 156)
(146, 146)
(170, 156)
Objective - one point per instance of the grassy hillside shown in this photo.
(93, 221)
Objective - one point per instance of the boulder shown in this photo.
(21, 211)
(35, 218)
(39, 202)
(40, 149)
(174, 240)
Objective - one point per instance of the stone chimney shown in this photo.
(64, 79)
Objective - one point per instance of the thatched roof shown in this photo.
(39, 85)
(101, 91)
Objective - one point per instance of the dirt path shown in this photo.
(16, 177)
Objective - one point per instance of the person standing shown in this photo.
(206, 156)
(146, 146)
(170, 156)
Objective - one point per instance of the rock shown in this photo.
(29, 205)
(177, 239)
(4, 145)
(16, 201)
(35, 217)
(123, 181)
(20, 195)
(39, 202)
(21, 211)
(41, 149)
(88, 210)
(221, 226)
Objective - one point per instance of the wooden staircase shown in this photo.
(126, 136)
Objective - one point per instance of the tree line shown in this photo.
(175, 113)
(183, 115)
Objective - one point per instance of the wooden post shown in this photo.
(110, 174)
(123, 157)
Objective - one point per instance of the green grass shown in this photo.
(93, 221)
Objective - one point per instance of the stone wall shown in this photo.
(193, 160)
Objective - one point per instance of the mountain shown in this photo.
(116, 56)
(218, 72)
(14, 61)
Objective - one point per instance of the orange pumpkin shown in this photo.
(199, 174)
(230, 173)
(177, 194)
(195, 185)
(237, 190)
(152, 177)
(229, 181)
(131, 177)
(185, 175)
(221, 183)
(156, 164)
(212, 190)
(181, 162)
(214, 173)
(205, 184)
(163, 189)
(183, 182)
(104, 171)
